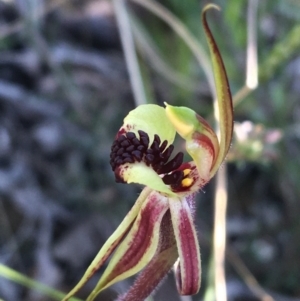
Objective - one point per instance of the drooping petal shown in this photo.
(157, 269)
(142, 174)
(111, 244)
(201, 141)
(223, 93)
(152, 120)
(188, 272)
(139, 245)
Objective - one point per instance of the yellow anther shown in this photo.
(186, 172)
(187, 182)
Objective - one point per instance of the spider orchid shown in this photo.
(159, 229)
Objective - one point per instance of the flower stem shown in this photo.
(21, 279)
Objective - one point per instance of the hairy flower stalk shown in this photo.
(159, 230)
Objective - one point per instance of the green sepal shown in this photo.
(225, 107)
(152, 120)
(201, 141)
(112, 242)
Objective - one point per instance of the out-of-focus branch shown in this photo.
(147, 48)
(281, 52)
(219, 237)
(252, 66)
(246, 275)
(191, 41)
(130, 52)
(252, 62)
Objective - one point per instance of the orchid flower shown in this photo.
(159, 229)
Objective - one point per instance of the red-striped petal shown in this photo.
(188, 270)
(111, 244)
(138, 247)
(158, 267)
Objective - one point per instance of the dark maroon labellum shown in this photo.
(128, 148)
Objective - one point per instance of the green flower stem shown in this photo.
(21, 279)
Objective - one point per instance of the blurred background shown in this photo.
(64, 91)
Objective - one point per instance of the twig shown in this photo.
(240, 95)
(148, 49)
(246, 275)
(219, 235)
(221, 180)
(182, 31)
(237, 263)
(252, 66)
(129, 52)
